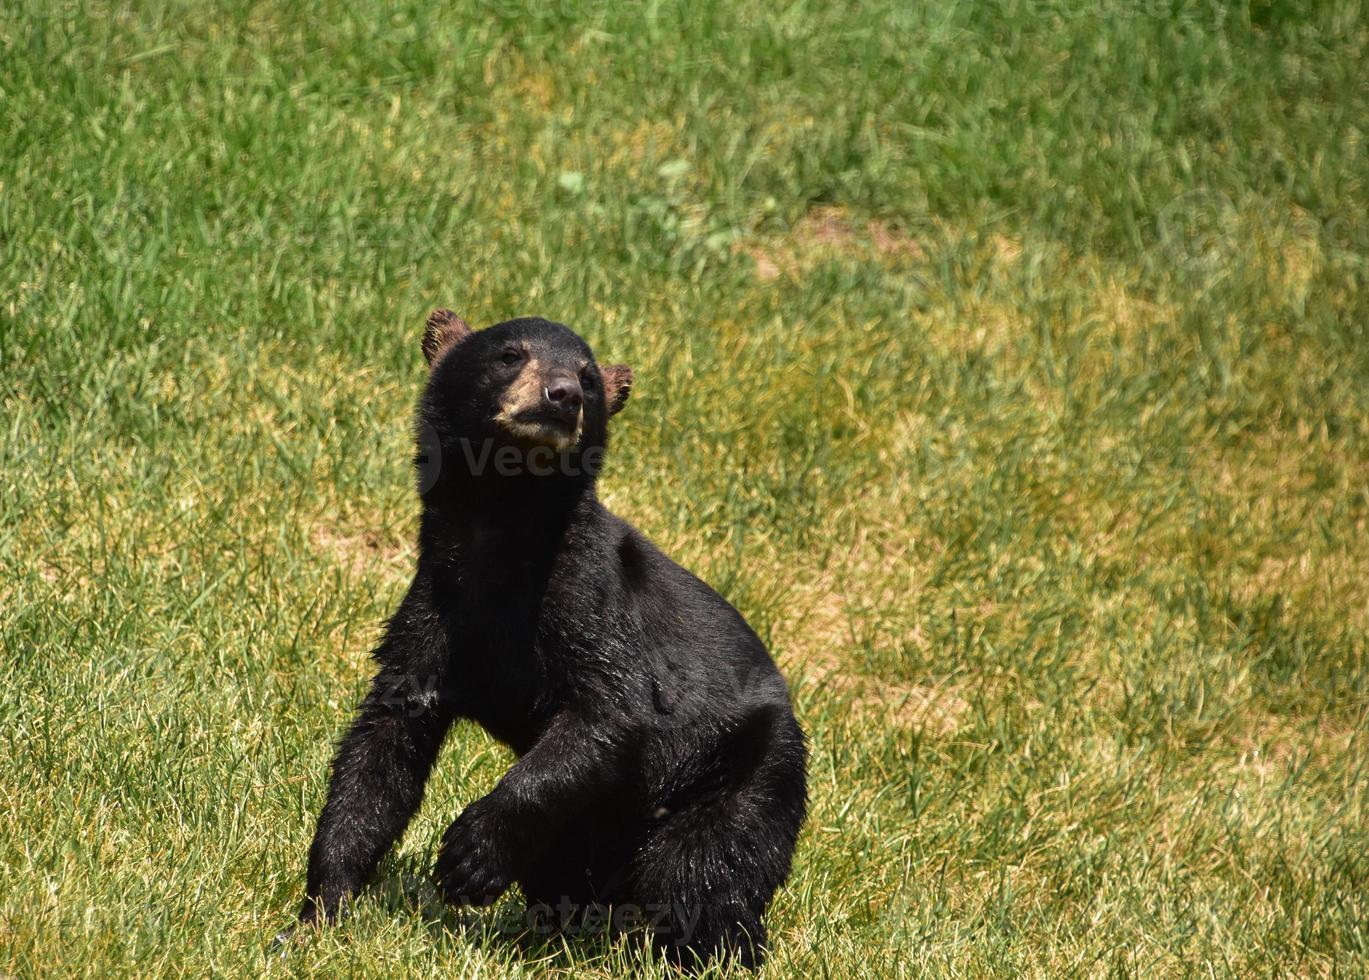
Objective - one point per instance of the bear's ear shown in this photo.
(443, 330)
(617, 386)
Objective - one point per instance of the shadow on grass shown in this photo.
(507, 931)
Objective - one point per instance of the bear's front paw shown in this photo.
(473, 865)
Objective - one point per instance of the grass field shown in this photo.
(1006, 363)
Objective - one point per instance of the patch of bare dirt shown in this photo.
(825, 230)
(364, 553)
(818, 636)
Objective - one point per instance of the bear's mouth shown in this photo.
(539, 427)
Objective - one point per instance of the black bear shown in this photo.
(660, 767)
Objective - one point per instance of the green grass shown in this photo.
(1006, 363)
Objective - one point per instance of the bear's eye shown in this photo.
(512, 356)
(586, 379)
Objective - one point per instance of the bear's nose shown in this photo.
(564, 395)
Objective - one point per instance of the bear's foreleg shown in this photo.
(574, 762)
(384, 759)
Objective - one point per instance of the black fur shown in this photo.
(659, 761)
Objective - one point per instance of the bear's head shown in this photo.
(523, 396)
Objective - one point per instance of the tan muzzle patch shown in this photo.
(527, 396)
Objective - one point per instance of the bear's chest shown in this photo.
(500, 667)
(515, 619)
